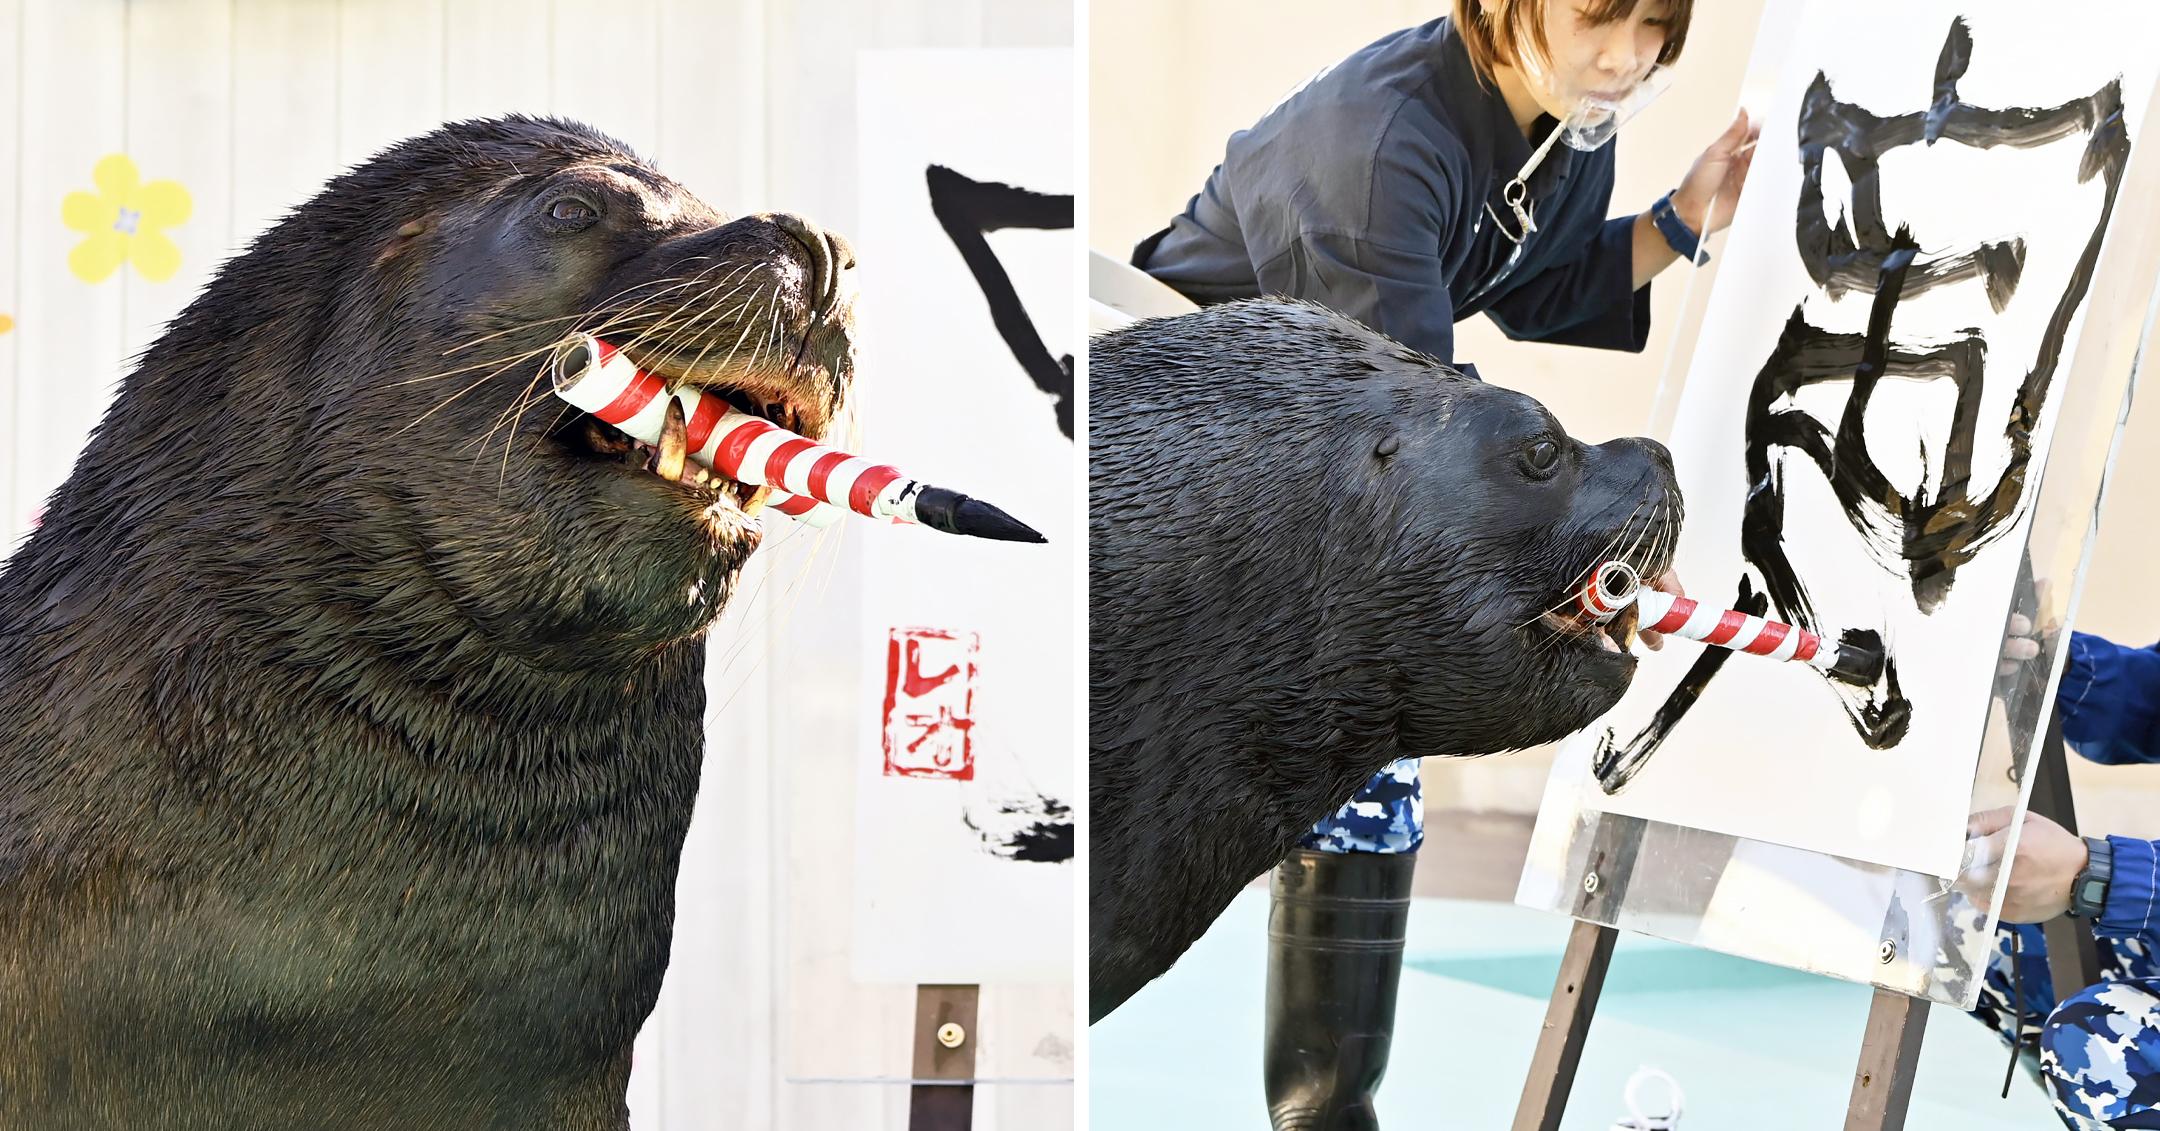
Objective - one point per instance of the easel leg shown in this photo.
(944, 1050)
(1567, 1026)
(1889, 1056)
(2073, 956)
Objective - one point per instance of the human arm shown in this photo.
(1708, 195)
(2109, 699)
(2049, 860)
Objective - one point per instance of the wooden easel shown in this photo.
(1890, 1046)
(944, 1050)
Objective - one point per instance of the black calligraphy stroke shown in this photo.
(1036, 831)
(1921, 537)
(968, 210)
(1839, 260)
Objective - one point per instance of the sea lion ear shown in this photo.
(406, 233)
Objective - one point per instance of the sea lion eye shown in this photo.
(1541, 456)
(570, 210)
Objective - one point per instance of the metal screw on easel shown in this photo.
(1589, 884)
(951, 1035)
(1887, 951)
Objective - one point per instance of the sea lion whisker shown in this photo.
(1575, 583)
(682, 323)
(613, 320)
(505, 359)
(670, 283)
(674, 324)
(446, 401)
(526, 399)
(518, 328)
(1657, 559)
(682, 319)
(1649, 524)
(770, 337)
(537, 322)
(739, 337)
(541, 437)
(695, 362)
(518, 403)
(1570, 603)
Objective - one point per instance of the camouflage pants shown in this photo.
(1386, 815)
(2098, 1051)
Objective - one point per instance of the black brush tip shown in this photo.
(1857, 664)
(955, 513)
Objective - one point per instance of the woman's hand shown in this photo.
(1713, 184)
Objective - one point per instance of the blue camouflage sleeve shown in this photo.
(2109, 699)
(2130, 907)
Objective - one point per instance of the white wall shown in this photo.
(1170, 82)
(253, 104)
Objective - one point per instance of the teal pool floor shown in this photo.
(1754, 1047)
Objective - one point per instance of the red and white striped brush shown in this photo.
(807, 479)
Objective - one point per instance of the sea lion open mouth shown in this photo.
(1612, 634)
(686, 329)
(1646, 541)
(668, 459)
(808, 479)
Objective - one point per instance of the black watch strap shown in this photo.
(2088, 894)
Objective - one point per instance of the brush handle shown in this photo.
(593, 376)
(1729, 628)
(1615, 585)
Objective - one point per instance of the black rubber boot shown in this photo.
(1335, 946)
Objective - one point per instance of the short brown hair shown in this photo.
(1493, 41)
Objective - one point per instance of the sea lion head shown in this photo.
(427, 286)
(1502, 518)
(1348, 545)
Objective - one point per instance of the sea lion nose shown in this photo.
(1659, 453)
(829, 256)
(843, 251)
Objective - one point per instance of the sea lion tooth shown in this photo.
(756, 501)
(674, 448)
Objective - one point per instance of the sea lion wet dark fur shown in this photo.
(1313, 551)
(350, 716)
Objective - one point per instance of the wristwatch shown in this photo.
(2088, 893)
(1678, 236)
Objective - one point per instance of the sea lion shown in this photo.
(351, 693)
(1312, 551)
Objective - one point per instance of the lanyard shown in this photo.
(1517, 193)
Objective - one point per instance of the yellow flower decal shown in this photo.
(6, 323)
(122, 221)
